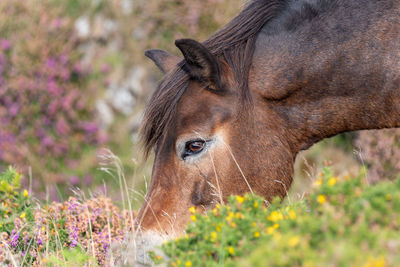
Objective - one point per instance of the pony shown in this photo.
(231, 114)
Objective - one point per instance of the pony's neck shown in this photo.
(321, 86)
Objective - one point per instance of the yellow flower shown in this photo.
(218, 229)
(157, 257)
(192, 209)
(321, 199)
(254, 224)
(292, 214)
(193, 217)
(186, 236)
(332, 181)
(188, 263)
(26, 193)
(276, 226)
(230, 216)
(233, 225)
(215, 211)
(294, 241)
(270, 230)
(257, 234)
(255, 205)
(375, 262)
(238, 215)
(22, 215)
(318, 182)
(231, 250)
(275, 216)
(213, 235)
(239, 199)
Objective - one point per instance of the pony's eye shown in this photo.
(193, 147)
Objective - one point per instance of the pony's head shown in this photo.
(212, 138)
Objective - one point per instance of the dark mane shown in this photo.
(235, 43)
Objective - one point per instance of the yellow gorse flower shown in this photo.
(26, 193)
(332, 181)
(22, 215)
(157, 257)
(188, 263)
(239, 215)
(270, 230)
(318, 182)
(213, 235)
(240, 199)
(375, 262)
(257, 234)
(321, 199)
(193, 218)
(231, 250)
(192, 209)
(294, 241)
(275, 216)
(292, 214)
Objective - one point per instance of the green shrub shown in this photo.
(343, 222)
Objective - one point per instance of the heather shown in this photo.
(46, 94)
(77, 231)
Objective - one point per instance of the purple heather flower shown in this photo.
(65, 74)
(74, 179)
(57, 23)
(90, 127)
(5, 45)
(73, 243)
(47, 141)
(78, 68)
(63, 59)
(87, 179)
(51, 63)
(13, 110)
(62, 127)
(14, 238)
(105, 68)
(39, 241)
(53, 88)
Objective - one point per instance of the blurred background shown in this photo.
(74, 82)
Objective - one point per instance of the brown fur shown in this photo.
(301, 70)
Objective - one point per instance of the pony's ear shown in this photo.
(164, 60)
(200, 63)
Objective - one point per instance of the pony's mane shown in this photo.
(235, 43)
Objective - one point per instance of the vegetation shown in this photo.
(343, 222)
(64, 234)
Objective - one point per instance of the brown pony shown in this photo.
(231, 116)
